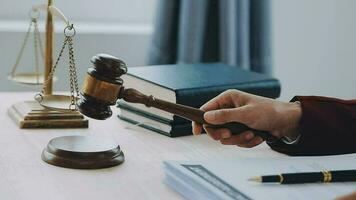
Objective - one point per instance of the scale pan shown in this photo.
(28, 78)
(57, 102)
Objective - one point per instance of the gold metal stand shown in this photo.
(49, 49)
(30, 114)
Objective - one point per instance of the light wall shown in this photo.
(116, 11)
(314, 47)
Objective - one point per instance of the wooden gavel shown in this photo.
(103, 87)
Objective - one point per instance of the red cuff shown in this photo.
(327, 127)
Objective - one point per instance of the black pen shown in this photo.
(308, 177)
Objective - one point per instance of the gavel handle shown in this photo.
(197, 115)
(237, 128)
(190, 113)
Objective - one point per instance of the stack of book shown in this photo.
(187, 84)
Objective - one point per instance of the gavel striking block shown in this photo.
(103, 87)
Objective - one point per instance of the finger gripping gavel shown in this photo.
(103, 87)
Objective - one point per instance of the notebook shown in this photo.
(229, 179)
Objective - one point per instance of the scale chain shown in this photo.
(35, 40)
(22, 48)
(37, 46)
(74, 89)
(73, 75)
(53, 69)
(39, 41)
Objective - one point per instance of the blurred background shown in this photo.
(312, 45)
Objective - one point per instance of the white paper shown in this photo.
(235, 174)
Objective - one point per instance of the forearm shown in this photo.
(327, 126)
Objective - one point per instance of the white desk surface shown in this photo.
(23, 175)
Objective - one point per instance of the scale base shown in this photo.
(30, 114)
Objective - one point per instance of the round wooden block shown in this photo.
(82, 152)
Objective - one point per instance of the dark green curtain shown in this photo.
(236, 32)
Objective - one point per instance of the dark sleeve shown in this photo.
(327, 127)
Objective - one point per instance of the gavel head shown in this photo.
(102, 86)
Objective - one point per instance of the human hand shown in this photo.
(351, 196)
(278, 118)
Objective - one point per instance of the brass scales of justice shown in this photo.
(47, 110)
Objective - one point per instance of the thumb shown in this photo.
(223, 116)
